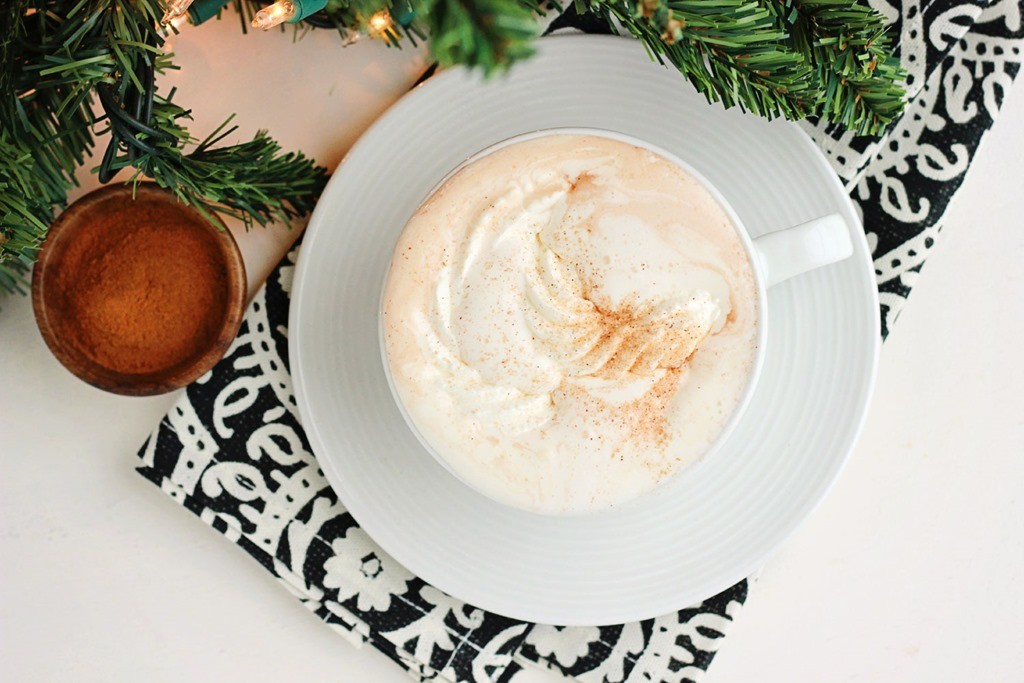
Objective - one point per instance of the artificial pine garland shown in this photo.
(775, 58)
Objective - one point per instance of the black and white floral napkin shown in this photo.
(232, 450)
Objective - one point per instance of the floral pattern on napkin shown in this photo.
(232, 450)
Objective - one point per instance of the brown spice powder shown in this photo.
(642, 420)
(142, 287)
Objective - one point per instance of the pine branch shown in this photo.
(791, 58)
(251, 181)
(788, 58)
(44, 136)
(732, 51)
(56, 55)
(849, 48)
(487, 34)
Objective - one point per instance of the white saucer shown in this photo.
(709, 527)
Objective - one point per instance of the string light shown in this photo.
(289, 11)
(380, 24)
(271, 16)
(178, 12)
(175, 9)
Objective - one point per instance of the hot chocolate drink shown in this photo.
(569, 320)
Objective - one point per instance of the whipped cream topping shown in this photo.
(569, 320)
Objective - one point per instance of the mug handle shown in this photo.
(791, 251)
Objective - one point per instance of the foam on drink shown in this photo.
(569, 320)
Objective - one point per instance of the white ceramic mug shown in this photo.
(775, 257)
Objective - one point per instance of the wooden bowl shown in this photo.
(60, 322)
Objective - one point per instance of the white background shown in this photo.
(911, 570)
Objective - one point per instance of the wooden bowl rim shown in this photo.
(160, 381)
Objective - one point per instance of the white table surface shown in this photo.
(910, 571)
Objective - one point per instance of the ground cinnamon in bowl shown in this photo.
(137, 295)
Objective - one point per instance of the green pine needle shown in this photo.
(55, 53)
(775, 58)
(789, 58)
(487, 34)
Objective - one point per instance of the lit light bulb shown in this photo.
(380, 23)
(272, 15)
(175, 9)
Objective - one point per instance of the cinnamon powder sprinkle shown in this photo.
(141, 287)
(642, 420)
